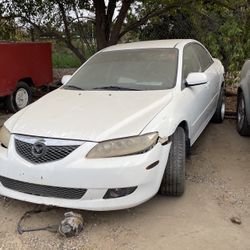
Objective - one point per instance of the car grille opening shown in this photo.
(53, 153)
(41, 190)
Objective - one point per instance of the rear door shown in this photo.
(200, 98)
(209, 68)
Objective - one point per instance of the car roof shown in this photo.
(171, 43)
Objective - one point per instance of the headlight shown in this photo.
(125, 146)
(5, 136)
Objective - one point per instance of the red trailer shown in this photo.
(23, 66)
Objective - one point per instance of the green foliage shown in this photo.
(225, 32)
(223, 28)
(63, 57)
(175, 25)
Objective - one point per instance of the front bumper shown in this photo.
(94, 175)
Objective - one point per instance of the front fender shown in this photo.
(166, 122)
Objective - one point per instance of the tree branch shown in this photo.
(153, 13)
(65, 21)
(111, 10)
(114, 37)
(81, 31)
(68, 39)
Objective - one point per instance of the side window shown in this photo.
(205, 59)
(191, 62)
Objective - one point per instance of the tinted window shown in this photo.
(141, 69)
(205, 59)
(190, 62)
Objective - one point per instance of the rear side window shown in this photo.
(205, 59)
(195, 59)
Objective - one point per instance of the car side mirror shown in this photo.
(65, 79)
(195, 79)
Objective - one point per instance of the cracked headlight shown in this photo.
(124, 146)
(4, 136)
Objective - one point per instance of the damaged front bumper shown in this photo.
(81, 183)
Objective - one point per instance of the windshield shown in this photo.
(141, 69)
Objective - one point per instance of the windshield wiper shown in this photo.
(115, 88)
(73, 87)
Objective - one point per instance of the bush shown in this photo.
(64, 59)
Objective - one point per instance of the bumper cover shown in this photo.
(94, 175)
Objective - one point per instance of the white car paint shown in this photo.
(95, 116)
(63, 105)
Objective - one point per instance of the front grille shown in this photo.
(41, 190)
(53, 153)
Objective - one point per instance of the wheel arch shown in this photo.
(239, 91)
(27, 80)
(184, 125)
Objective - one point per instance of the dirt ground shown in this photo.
(217, 188)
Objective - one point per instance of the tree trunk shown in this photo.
(107, 35)
(32, 35)
(116, 30)
(100, 24)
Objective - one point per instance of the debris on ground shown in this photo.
(236, 220)
(72, 225)
(36, 210)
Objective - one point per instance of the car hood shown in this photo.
(89, 115)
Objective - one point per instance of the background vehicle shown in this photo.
(23, 66)
(243, 103)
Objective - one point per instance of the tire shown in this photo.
(219, 114)
(21, 98)
(242, 122)
(173, 181)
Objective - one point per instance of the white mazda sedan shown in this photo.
(117, 131)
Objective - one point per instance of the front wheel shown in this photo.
(21, 98)
(173, 181)
(242, 122)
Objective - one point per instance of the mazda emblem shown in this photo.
(38, 149)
